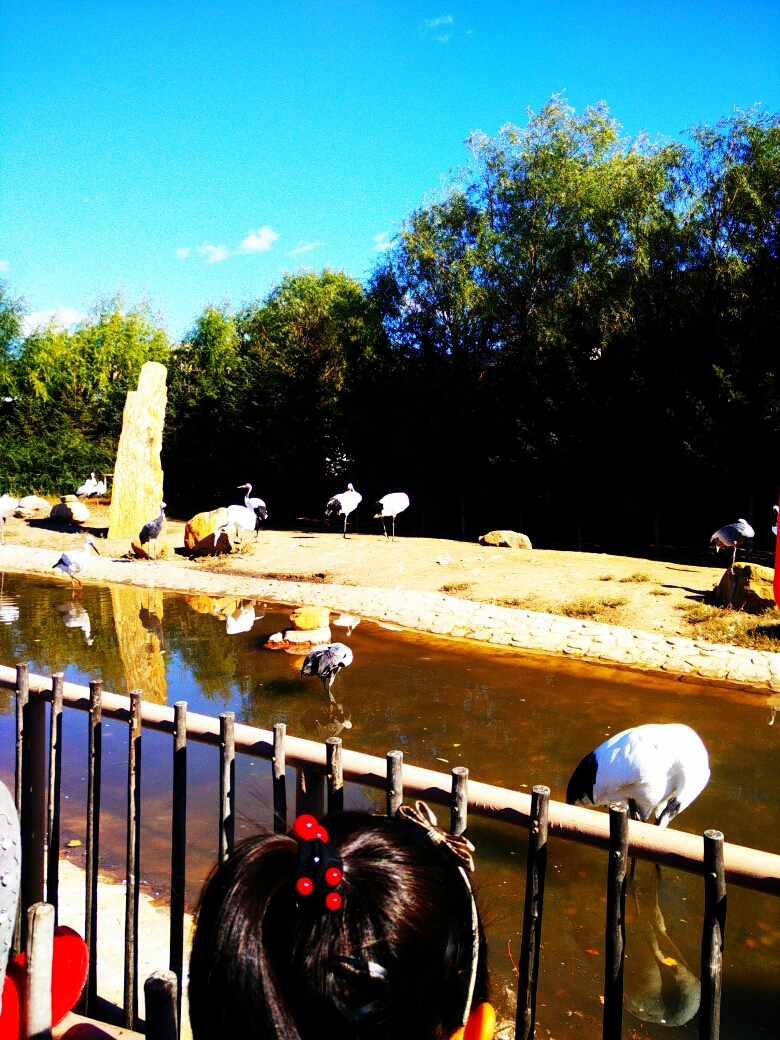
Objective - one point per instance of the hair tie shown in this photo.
(320, 868)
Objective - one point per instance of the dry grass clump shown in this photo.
(637, 576)
(606, 577)
(721, 625)
(455, 586)
(660, 592)
(512, 601)
(590, 607)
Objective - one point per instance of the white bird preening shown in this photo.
(8, 507)
(732, 536)
(391, 505)
(75, 563)
(657, 769)
(326, 662)
(241, 519)
(88, 487)
(344, 504)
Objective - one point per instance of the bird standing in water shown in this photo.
(343, 504)
(732, 536)
(657, 769)
(75, 563)
(326, 662)
(151, 532)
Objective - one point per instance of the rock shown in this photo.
(74, 512)
(294, 637)
(33, 507)
(506, 540)
(138, 477)
(748, 587)
(200, 603)
(199, 532)
(307, 618)
(164, 550)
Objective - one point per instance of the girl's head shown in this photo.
(395, 960)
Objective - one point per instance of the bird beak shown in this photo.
(96, 549)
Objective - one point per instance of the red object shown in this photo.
(68, 975)
(303, 886)
(306, 828)
(332, 876)
(333, 900)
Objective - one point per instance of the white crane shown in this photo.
(326, 662)
(257, 505)
(391, 505)
(732, 536)
(8, 507)
(344, 504)
(774, 525)
(75, 616)
(657, 769)
(98, 489)
(87, 487)
(75, 563)
(241, 519)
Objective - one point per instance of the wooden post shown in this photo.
(132, 889)
(33, 817)
(615, 941)
(712, 936)
(162, 1002)
(460, 800)
(395, 781)
(55, 785)
(178, 845)
(335, 775)
(536, 868)
(22, 696)
(227, 785)
(36, 1011)
(280, 779)
(94, 760)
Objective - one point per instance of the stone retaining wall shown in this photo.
(445, 615)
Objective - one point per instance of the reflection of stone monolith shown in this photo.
(138, 621)
(138, 477)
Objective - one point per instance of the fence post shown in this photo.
(615, 940)
(712, 936)
(22, 696)
(94, 760)
(36, 1003)
(55, 784)
(460, 800)
(395, 781)
(335, 775)
(132, 862)
(280, 779)
(178, 846)
(536, 868)
(227, 785)
(33, 817)
(162, 1000)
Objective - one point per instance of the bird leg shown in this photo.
(345, 525)
(393, 528)
(3, 531)
(383, 525)
(734, 557)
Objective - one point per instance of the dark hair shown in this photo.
(263, 966)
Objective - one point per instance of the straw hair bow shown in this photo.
(422, 818)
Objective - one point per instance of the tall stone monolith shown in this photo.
(138, 477)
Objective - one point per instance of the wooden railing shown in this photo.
(321, 771)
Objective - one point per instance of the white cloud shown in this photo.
(381, 242)
(432, 24)
(182, 254)
(304, 247)
(62, 317)
(258, 241)
(5, 265)
(213, 254)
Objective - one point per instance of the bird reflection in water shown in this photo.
(659, 986)
(9, 612)
(153, 625)
(242, 618)
(73, 615)
(339, 720)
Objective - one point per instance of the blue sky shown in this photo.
(196, 151)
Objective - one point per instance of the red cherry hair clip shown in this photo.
(320, 868)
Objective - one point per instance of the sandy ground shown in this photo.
(639, 593)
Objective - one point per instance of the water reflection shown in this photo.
(74, 615)
(138, 617)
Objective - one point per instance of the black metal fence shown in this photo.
(320, 776)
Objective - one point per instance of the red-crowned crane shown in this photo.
(391, 505)
(326, 662)
(344, 504)
(74, 563)
(657, 769)
(731, 536)
(257, 505)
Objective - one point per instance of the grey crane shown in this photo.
(326, 662)
(151, 532)
(732, 536)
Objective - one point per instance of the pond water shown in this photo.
(514, 719)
